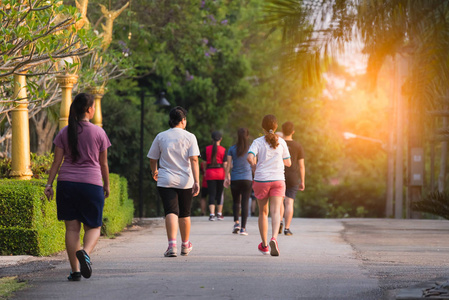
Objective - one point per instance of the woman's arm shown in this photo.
(153, 167)
(196, 175)
(105, 171)
(287, 162)
(57, 160)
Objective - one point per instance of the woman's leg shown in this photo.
(171, 226)
(246, 193)
(235, 191)
(275, 208)
(212, 190)
(219, 195)
(263, 220)
(72, 242)
(91, 236)
(185, 206)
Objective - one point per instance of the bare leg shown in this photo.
(220, 209)
(289, 206)
(72, 242)
(282, 209)
(184, 227)
(275, 207)
(203, 206)
(91, 236)
(212, 209)
(171, 226)
(263, 220)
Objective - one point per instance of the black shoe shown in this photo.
(74, 276)
(85, 264)
(236, 228)
(287, 231)
(280, 227)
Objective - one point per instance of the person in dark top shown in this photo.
(294, 176)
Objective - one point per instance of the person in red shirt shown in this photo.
(215, 174)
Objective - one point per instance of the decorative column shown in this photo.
(66, 82)
(98, 93)
(20, 148)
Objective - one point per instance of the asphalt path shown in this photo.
(324, 259)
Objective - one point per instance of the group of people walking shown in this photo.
(80, 159)
(267, 167)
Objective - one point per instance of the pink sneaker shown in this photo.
(274, 247)
(263, 250)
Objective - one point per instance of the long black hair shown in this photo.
(78, 109)
(216, 136)
(242, 141)
(270, 123)
(177, 114)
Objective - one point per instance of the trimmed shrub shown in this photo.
(29, 224)
(118, 209)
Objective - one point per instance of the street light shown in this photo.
(350, 135)
(161, 101)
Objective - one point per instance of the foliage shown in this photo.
(40, 165)
(35, 35)
(29, 225)
(435, 203)
(9, 285)
(119, 209)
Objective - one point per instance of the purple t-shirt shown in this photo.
(92, 140)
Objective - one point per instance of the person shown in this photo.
(268, 155)
(177, 178)
(215, 175)
(240, 179)
(293, 183)
(204, 194)
(83, 182)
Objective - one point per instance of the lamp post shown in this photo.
(390, 171)
(161, 101)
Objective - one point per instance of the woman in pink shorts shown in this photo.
(268, 155)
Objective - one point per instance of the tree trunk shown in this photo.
(45, 130)
(442, 175)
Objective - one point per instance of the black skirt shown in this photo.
(80, 201)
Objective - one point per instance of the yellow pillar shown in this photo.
(98, 93)
(66, 82)
(20, 148)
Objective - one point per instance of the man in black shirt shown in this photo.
(294, 176)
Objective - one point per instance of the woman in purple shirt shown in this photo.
(83, 182)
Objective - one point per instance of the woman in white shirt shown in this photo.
(268, 155)
(177, 178)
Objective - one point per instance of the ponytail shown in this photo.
(216, 136)
(78, 109)
(242, 141)
(269, 123)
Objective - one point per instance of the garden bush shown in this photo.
(29, 225)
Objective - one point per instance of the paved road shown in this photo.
(324, 259)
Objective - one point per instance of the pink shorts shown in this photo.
(263, 190)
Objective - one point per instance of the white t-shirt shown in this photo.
(270, 162)
(173, 148)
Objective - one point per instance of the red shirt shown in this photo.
(215, 173)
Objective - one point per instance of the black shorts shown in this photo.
(176, 201)
(80, 201)
(291, 191)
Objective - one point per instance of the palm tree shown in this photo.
(416, 30)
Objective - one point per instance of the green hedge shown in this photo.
(118, 208)
(28, 222)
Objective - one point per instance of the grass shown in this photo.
(8, 285)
